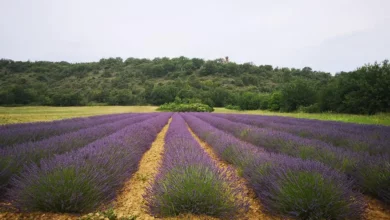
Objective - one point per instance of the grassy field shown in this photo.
(379, 119)
(45, 113)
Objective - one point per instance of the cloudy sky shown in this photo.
(327, 35)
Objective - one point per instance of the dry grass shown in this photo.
(10, 115)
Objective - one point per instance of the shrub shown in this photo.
(48, 190)
(192, 189)
(306, 190)
(233, 107)
(314, 108)
(191, 107)
(374, 177)
(275, 100)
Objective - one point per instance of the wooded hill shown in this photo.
(217, 83)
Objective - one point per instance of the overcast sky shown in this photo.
(327, 35)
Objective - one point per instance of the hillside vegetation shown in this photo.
(217, 83)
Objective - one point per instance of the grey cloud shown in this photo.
(331, 35)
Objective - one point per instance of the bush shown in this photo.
(233, 107)
(275, 101)
(195, 189)
(305, 190)
(297, 93)
(314, 108)
(191, 107)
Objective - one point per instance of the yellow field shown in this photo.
(10, 115)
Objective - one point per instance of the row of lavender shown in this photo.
(378, 131)
(19, 133)
(189, 181)
(14, 158)
(285, 185)
(370, 173)
(371, 138)
(85, 178)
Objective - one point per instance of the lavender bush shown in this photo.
(12, 159)
(371, 138)
(371, 172)
(377, 131)
(305, 190)
(189, 181)
(30, 132)
(84, 179)
(286, 186)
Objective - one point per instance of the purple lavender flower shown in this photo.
(12, 159)
(286, 186)
(29, 132)
(351, 163)
(189, 181)
(370, 138)
(86, 178)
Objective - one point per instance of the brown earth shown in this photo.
(376, 210)
(13, 215)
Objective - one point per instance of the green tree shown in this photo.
(297, 93)
(163, 94)
(275, 101)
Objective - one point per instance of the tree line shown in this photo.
(114, 81)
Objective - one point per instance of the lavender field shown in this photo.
(195, 166)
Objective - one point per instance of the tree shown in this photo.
(163, 94)
(295, 94)
(197, 63)
(122, 97)
(275, 101)
(249, 101)
(67, 99)
(210, 67)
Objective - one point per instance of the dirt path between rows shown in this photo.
(255, 210)
(130, 201)
(376, 210)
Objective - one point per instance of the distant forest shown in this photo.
(218, 83)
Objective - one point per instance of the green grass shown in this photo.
(379, 119)
(10, 115)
